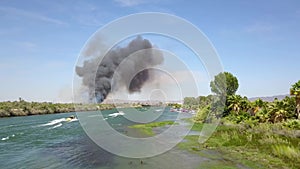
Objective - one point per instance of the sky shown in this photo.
(257, 41)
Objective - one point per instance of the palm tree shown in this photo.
(277, 111)
(237, 103)
(257, 106)
(262, 115)
(290, 106)
(245, 104)
(295, 91)
(234, 103)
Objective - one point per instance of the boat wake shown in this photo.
(120, 113)
(58, 122)
(54, 122)
(58, 125)
(6, 138)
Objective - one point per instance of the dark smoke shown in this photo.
(97, 77)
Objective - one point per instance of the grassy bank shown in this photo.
(147, 129)
(254, 133)
(239, 145)
(262, 146)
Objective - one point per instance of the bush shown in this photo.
(241, 117)
(292, 124)
(202, 114)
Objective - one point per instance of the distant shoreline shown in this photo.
(23, 108)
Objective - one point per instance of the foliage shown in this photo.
(279, 111)
(293, 124)
(260, 147)
(174, 105)
(262, 132)
(202, 114)
(237, 103)
(147, 128)
(195, 103)
(295, 90)
(239, 109)
(190, 101)
(23, 108)
(243, 116)
(224, 84)
(286, 151)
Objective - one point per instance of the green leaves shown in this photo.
(224, 84)
(295, 90)
(296, 86)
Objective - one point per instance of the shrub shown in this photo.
(202, 114)
(292, 123)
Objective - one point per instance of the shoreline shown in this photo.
(237, 146)
(206, 158)
(23, 108)
(260, 146)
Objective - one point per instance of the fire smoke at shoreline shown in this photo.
(97, 77)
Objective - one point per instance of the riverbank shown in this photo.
(261, 146)
(240, 146)
(23, 108)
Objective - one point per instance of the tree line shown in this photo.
(24, 108)
(239, 109)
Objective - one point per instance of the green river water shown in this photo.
(49, 141)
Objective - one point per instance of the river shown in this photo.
(49, 141)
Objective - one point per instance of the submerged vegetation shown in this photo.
(147, 128)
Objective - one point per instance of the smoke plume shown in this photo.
(128, 72)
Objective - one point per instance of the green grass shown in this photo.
(217, 165)
(232, 146)
(147, 128)
(262, 146)
(197, 126)
(286, 151)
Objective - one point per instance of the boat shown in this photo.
(71, 118)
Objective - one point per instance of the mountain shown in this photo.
(269, 98)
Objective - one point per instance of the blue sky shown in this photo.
(258, 41)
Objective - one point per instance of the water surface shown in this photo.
(49, 141)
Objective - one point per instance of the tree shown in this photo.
(204, 100)
(237, 103)
(277, 111)
(257, 105)
(295, 91)
(202, 114)
(224, 84)
(190, 101)
(234, 103)
(290, 106)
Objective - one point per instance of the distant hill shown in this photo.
(269, 98)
